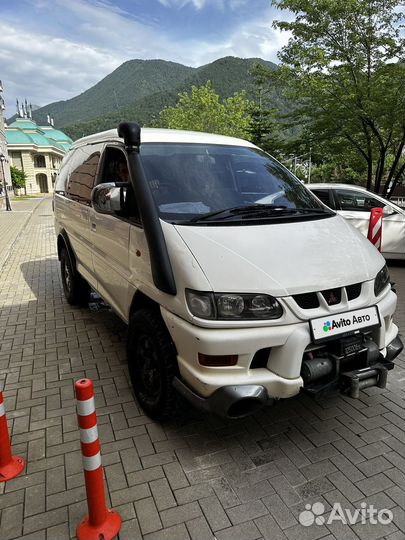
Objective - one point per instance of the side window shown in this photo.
(357, 201)
(325, 196)
(82, 176)
(60, 185)
(115, 169)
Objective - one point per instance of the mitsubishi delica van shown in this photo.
(238, 285)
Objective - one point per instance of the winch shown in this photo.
(349, 364)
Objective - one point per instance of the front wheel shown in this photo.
(152, 364)
(76, 288)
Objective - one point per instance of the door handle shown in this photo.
(93, 227)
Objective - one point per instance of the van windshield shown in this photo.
(194, 183)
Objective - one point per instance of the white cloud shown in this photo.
(200, 4)
(44, 68)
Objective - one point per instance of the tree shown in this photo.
(264, 128)
(343, 69)
(202, 110)
(18, 178)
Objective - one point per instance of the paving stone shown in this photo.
(178, 532)
(244, 531)
(374, 466)
(347, 488)
(44, 520)
(214, 513)
(148, 515)
(246, 512)
(199, 529)
(283, 488)
(374, 484)
(162, 494)
(180, 514)
(175, 475)
(280, 511)
(148, 475)
(193, 493)
(34, 500)
(130, 530)
(11, 521)
(269, 528)
(133, 493)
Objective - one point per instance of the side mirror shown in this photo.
(388, 210)
(108, 198)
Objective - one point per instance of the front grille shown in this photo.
(353, 291)
(331, 296)
(307, 300)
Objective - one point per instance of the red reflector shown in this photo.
(217, 360)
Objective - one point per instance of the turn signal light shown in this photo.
(217, 360)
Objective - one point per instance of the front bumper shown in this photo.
(284, 344)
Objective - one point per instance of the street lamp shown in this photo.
(2, 160)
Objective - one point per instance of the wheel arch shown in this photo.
(141, 301)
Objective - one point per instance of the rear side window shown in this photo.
(358, 201)
(82, 178)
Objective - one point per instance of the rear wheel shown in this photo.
(76, 288)
(152, 364)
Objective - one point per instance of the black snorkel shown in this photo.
(161, 267)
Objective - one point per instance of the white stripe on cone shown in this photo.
(85, 407)
(89, 435)
(91, 463)
(376, 228)
(2, 409)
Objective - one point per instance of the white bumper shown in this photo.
(281, 378)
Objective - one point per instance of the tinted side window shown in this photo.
(357, 201)
(82, 178)
(325, 196)
(60, 185)
(115, 169)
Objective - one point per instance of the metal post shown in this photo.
(2, 160)
(310, 165)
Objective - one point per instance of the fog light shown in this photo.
(217, 360)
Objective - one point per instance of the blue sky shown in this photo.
(54, 49)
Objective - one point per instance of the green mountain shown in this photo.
(132, 80)
(140, 89)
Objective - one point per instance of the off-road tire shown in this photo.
(152, 364)
(76, 288)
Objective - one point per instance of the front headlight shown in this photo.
(233, 306)
(381, 281)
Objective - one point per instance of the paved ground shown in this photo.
(193, 478)
(12, 223)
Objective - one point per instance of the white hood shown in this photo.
(284, 258)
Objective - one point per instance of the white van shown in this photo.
(238, 285)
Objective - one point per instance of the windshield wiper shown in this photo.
(238, 210)
(256, 210)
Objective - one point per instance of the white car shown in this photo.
(354, 203)
(238, 286)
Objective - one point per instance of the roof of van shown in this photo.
(165, 135)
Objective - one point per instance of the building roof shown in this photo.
(24, 131)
